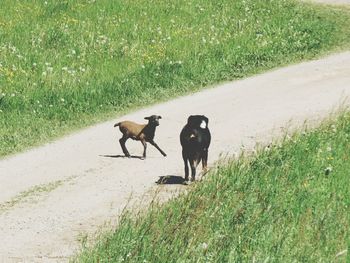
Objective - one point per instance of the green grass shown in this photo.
(67, 64)
(287, 203)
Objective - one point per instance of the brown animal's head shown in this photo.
(153, 120)
(198, 121)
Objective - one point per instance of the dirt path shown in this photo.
(52, 196)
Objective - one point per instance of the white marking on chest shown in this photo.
(203, 125)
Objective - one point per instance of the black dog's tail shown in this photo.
(117, 124)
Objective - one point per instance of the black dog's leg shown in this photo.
(193, 168)
(122, 144)
(205, 160)
(184, 157)
(155, 145)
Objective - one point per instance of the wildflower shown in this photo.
(205, 246)
(334, 128)
(329, 148)
(62, 99)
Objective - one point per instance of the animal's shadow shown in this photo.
(122, 156)
(171, 179)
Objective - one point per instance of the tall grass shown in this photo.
(288, 203)
(67, 64)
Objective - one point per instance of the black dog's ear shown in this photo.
(147, 118)
(206, 119)
(190, 119)
(159, 117)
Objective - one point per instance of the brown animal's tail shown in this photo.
(117, 124)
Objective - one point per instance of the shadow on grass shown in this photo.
(122, 156)
(171, 179)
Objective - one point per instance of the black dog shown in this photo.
(195, 140)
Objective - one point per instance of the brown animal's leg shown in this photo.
(122, 144)
(184, 157)
(144, 148)
(205, 161)
(155, 145)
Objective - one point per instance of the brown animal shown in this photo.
(139, 132)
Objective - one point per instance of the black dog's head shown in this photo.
(153, 119)
(198, 121)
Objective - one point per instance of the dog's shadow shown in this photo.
(171, 179)
(122, 156)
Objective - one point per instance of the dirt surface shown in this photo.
(53, 196)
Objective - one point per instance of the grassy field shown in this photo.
(68, 64)
(286, 203)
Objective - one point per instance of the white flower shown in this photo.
(205, 246)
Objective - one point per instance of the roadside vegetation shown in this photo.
(67, 64)
(288, 202)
